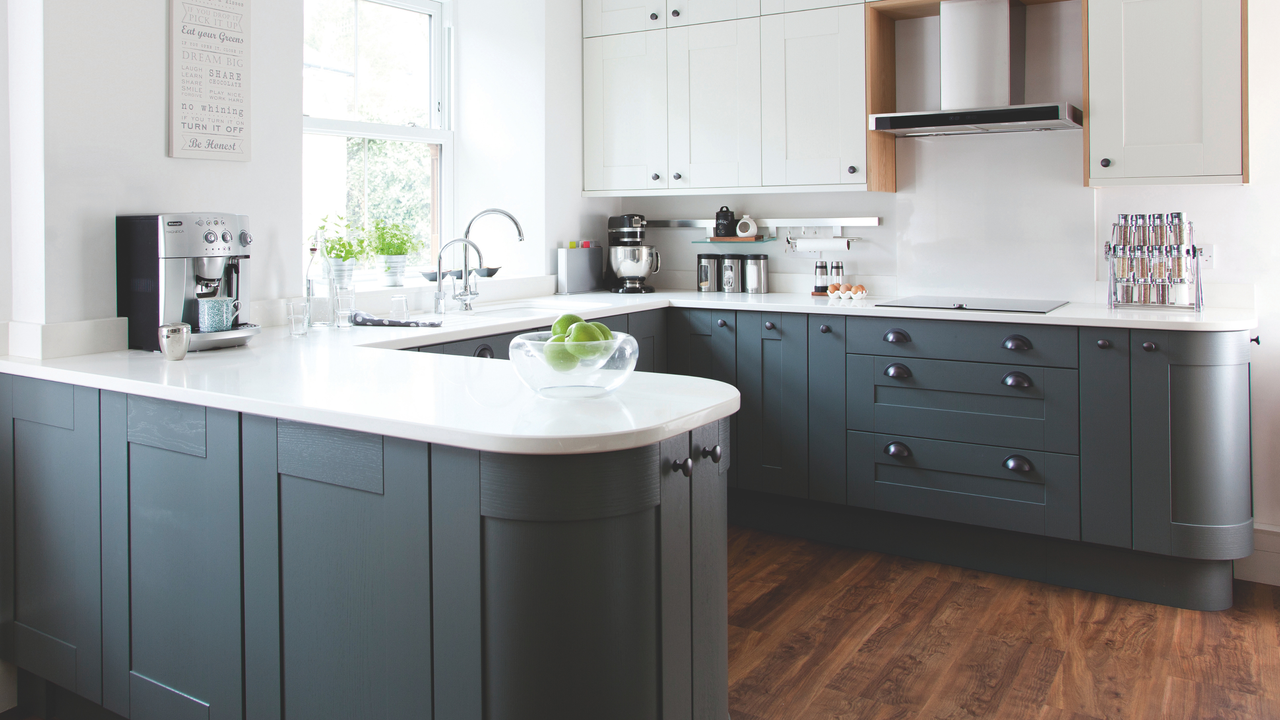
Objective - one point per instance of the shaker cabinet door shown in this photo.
(625, 111)
(695, 12)
(773, 425)
(814, 89)
(614, 17)
(713, 79)
(1165, 90)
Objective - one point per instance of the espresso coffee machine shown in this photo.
(166, 263)
(629, 262)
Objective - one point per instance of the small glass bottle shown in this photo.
(820, 278)
(320, 290)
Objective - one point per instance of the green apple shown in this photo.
(605, 332)
(580, 334)
(562, 323)
(558, 356)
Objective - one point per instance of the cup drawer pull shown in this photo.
(1017, 379)
(898, 371)
(1018, 464)
(897, 450)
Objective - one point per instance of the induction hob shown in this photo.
(935, 302)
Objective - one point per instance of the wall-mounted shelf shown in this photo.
(733, 242)
(769, 226)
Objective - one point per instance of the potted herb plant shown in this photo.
(343, 247)
(392, 244)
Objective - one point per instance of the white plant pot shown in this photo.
(342, 271)
(393, 269)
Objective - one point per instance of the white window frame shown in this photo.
(441, 131)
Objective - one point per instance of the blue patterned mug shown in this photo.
(217, 314)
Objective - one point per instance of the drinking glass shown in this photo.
(299, 315)
(346, 304)
(399, 307)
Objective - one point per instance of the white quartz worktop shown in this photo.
(354, 379)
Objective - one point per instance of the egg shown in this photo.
(859, 289)
(846, 287)
(833, 288)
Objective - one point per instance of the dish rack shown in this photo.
(1154, 262)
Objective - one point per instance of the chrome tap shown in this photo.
(494, 211)
(467, 293)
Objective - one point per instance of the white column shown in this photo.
(26, 170)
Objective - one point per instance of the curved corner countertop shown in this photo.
(354, 379)
(329, 379)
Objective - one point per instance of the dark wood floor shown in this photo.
(818, 632)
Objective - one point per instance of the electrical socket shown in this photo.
(1206, 256)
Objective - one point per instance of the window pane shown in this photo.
(364, 180)
(367, 61)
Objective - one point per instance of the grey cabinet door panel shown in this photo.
(151, 699)
(56, 526)
(967, 402)
(260, 480)
(860, 392)
(167, 425)
(649, 328)
(498, 345)
(185, 587)
(1051, 345)
(616, 323)
(966, 483)
(115, 552)
(7, 549)
(709, 538)
(773, 424)
(676, 582)
(699, 345)
(1152, 504)
(356, 592)
(331, 455)
(827, 402)
(456, 554)
(1106, 484)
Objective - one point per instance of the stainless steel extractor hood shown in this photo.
(1010, 118)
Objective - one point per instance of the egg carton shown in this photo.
(849, 295)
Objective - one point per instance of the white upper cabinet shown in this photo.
(625, 111)
(693, 12)
(1165, 91)
(773, 7)
(713, 87)
(613, 17)
(813, 83)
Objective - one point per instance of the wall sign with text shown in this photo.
(209, 79)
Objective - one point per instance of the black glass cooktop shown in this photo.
(935, 302)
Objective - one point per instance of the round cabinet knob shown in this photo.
(656, 176)
(210, 237)
(677, 176)
(484, 351)
(1104, 344)
(897, 336)
(1017, 343)
(715, 453)
(653, 16)
(1106, 162)
(898, 370)
(1150, 346)
(245, 238)
(684, 467)
(897, 450)
(852, 170)
(769, 326)
(675, 13)
(1017, 380)
(824, 329)
(722, 323)
(1018, 464)
(226, 237)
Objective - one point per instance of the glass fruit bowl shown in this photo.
(573, 370)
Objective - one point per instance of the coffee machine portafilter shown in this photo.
(165, 264)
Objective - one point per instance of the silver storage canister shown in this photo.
(755, 275)
(731, 273)
(708, 272)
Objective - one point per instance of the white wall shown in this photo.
(1009, 215)
(105, 147)
(6, 284)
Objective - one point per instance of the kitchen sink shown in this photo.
(533, 308)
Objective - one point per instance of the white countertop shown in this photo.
(354, 379)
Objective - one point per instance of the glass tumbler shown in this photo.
(399, 308)
(298, 312)
(346, 304)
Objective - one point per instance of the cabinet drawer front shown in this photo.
(1047, 346)
(1009, 405)
(966, 483)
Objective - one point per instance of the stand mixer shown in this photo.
(630, 261)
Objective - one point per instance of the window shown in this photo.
(375, 144)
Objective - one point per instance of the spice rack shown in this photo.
(1154, 262)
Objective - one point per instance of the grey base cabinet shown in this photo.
(50, 607)
(773, 424)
